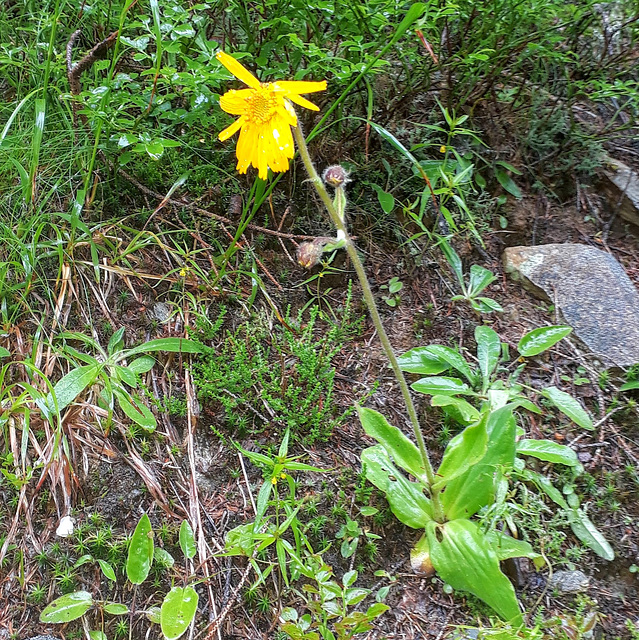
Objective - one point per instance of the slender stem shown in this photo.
(377, 321)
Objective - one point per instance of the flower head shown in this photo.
(266, 116)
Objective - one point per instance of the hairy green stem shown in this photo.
(372, 308)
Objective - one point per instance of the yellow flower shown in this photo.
(442, 149)
(266, 117)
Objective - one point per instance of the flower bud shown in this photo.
(335, 176)
(310, 253)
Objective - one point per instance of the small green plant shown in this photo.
(394, 286)
(330, 603)
(179, 605)
(282, 520)
(350, 533)
(117, 371)
(478, 280)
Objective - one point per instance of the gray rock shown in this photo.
(161, 311)
(591, 290)
(622, 190)
(569, 581)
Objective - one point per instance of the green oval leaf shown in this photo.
(174, 345)
(452, 358)
(420, 360)
(439, 385)
(187, 540)
(586, 531)
(461, 410)
(140, 556)
(568, 406)
(399, 447)
(466, 560)
(116, 609)
(66, 608)
(548, 451)
(107, 570)
(406, 499)
(163, 557)
(538, 340)
(488, 351)
(177, 611)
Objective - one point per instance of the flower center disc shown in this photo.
(261, 104)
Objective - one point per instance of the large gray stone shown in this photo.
(622, 190)
(592, 291)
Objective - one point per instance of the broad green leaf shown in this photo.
(97, 635)
(526, 404)
(386, 200)
(497, 398)
(539, 340)
(446, 354)
(163, 557)
(508, 183)
(187, 540)
(406, 499)
(177, 611)
(439, 385)
(488, 351)
(126, 375)
(508, 547)
(4, 353)
(355, 596)
(420, 360)
(66, 608)
(141, 364)
(349, 578)
(480, 278)
(262, 503)
(628, 386)
(116, 609)
(485, 305)
(548, 451)
(70, 386)
(116, 341)
(465, 495)
(107, 570)
(174, 345)
(397, 445)
(466, 560)
(568, 406)
(136, 411)
(153, 615)
(586, 531)
(462, 411)
(140, 556)
(463, 451)
(83, 560)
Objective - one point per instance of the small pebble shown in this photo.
(569, 581)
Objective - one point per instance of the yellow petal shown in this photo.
(234, 102)
(303, 102)
(229, 131)
(238, 70)
(299, 86)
